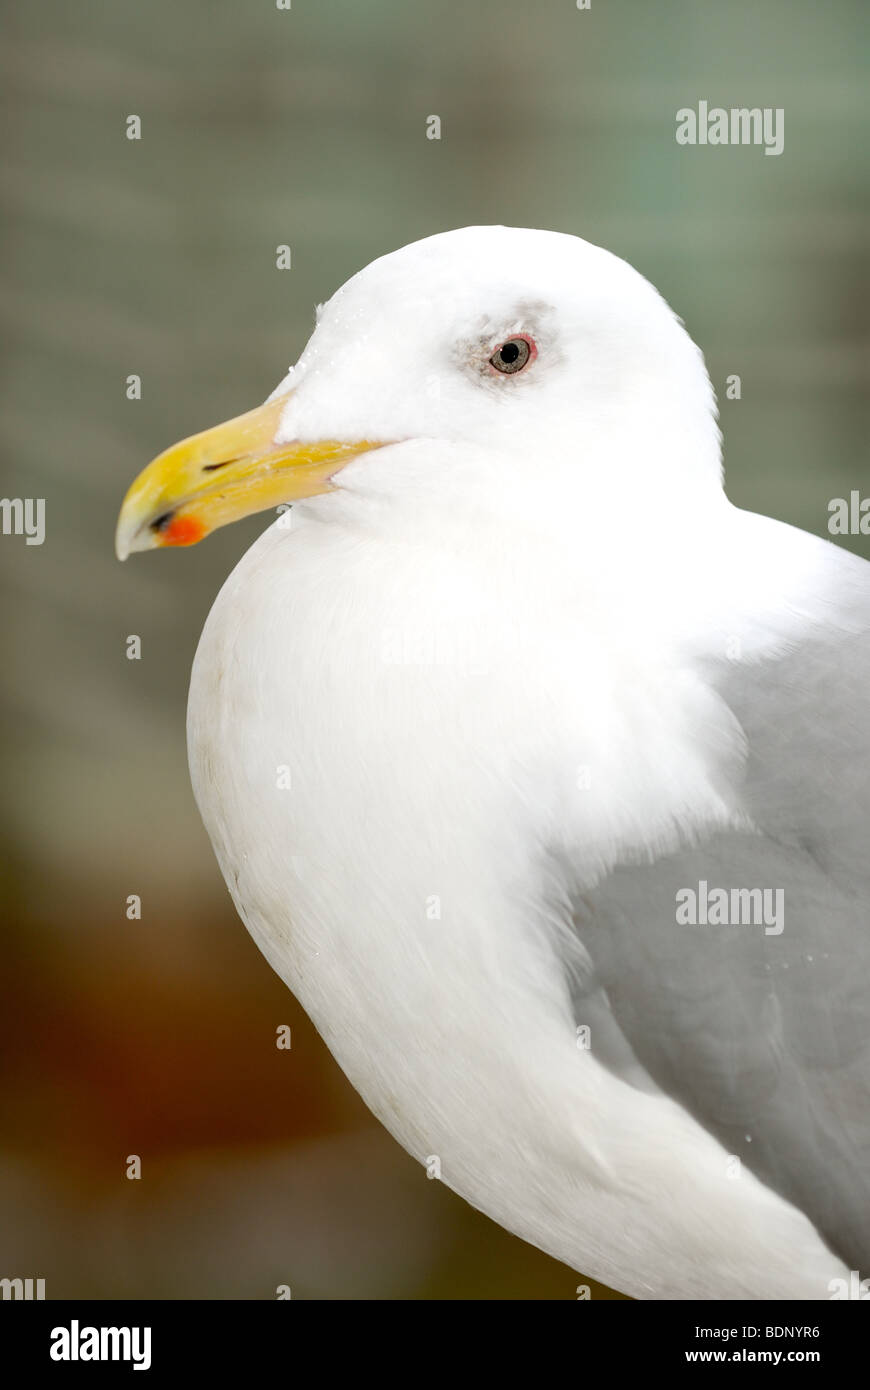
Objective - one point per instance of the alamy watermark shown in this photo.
(23, 516)
(25, 1289)
(76, 1343)
(849, 516)
(731, 907)
(741, 125)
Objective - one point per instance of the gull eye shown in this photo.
(513, 354)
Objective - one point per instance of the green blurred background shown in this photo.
(157, 257)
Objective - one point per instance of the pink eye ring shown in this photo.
(514, 354)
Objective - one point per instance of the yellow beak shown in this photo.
(223, 474)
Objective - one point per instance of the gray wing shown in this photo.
(765, 1037)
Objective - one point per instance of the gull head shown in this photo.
(538, 366)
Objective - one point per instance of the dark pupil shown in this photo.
(509, 353)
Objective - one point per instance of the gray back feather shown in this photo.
(763, 1037)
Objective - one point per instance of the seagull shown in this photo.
(540, 772)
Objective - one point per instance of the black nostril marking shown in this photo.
(160, 523)
(213, 467)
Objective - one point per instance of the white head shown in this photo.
(542, 365)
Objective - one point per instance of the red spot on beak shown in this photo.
(184, 530)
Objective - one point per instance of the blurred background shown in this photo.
(307, 127)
